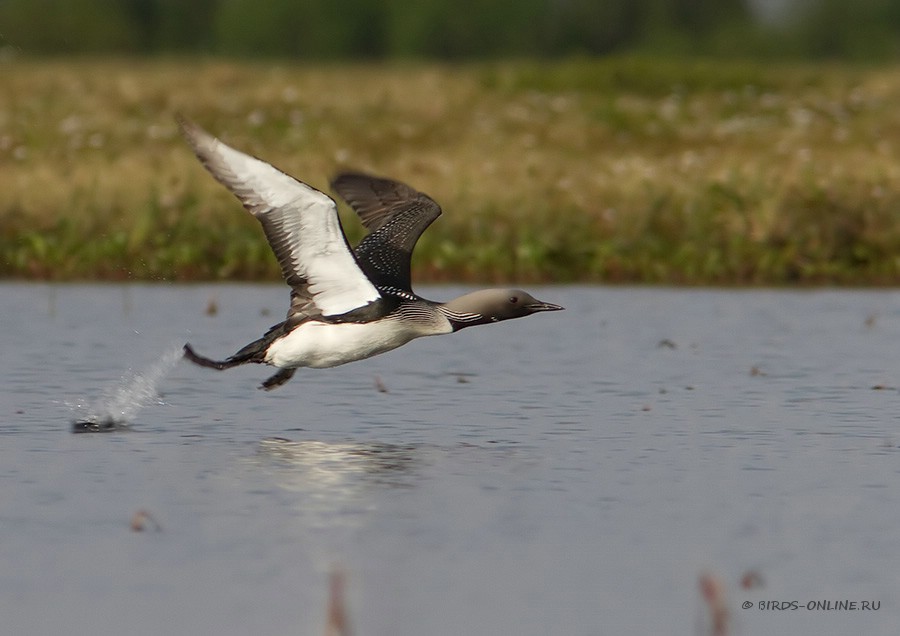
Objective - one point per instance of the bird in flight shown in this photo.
(346, 304)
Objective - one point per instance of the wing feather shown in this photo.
(300, 223)
(395, 215)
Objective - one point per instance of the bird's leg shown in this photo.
(278, 379)
(196, 358)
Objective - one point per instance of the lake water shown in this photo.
(569, 473)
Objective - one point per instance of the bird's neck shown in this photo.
(463, 312)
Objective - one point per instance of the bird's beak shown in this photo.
(541, 306)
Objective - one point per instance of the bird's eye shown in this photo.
(513, 299)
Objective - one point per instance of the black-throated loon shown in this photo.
(345, 305)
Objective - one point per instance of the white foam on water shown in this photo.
(121, 402)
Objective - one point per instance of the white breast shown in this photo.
(320, 345)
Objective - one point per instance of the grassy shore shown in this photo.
(619, 170)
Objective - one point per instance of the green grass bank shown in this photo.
(621, 170)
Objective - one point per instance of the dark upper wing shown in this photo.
(301, 224)
(395, 215)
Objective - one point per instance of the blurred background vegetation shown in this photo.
(652, 141)
(454, 29)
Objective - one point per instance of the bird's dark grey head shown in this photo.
(493, 305)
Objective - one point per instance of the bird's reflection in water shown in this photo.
(332, 483)
(387, 464)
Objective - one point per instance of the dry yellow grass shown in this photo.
(620, 170)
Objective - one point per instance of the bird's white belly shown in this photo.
(321, 345)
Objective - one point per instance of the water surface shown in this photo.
(570, 473)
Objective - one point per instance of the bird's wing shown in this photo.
(395, 215)
(301, 225)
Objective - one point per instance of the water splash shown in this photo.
(120, 403)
